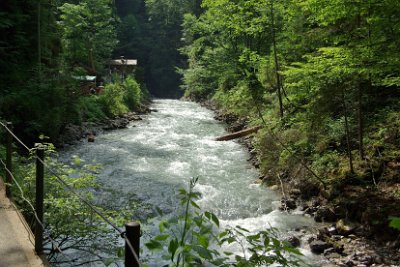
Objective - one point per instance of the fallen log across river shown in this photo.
(238, 134)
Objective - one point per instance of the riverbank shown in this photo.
(358, 233)
(73, 134)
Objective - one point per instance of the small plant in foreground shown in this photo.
(194, 239)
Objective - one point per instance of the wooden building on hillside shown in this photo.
(122, 67)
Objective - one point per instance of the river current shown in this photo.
(153, 158)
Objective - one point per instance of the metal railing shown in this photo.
(132, 232)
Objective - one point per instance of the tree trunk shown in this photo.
(238, 134)
(360, 123)
(278, 78)
(346, 123)
(39, 40)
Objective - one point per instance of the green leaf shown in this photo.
(292, 250)
(163, 226)
(214, 218)
(223, 234)
(394, 222)
(120, 252)
(203, 252)
(172, 247)
(153, 245)
(182, 191)
(243, 229)
(266, 241)
(161, 237)
(194, 204)
(203, 241)
(108, 261)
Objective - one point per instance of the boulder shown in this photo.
(288, 204)
(294, 193)
(71, 134)
(293, 240)
(274, 187)
(325, 214)
(332, 230)
(330, 250)
(91, 138)
(344, 228)
(319, 246)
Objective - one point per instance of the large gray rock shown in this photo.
(344, 228)
(71, 134)
(319, 246)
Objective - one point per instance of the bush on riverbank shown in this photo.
(116, 99)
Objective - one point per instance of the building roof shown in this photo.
(85, 78)
(127, 62)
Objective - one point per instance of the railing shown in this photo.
(131, 235)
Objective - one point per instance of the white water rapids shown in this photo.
(153, 158)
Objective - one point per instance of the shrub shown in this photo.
(132, 93)
(112, 100)
(90, 109)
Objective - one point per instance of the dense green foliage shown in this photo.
(31, 92)
(321, 74)
(116, 99)
(320, 77)
(151, 31)
(88, 33)
(46, 45)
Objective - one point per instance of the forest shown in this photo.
(320, 79)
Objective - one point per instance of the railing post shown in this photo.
(9, 160)
(39, 200)
(133, 234)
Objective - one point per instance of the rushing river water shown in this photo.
(153, 158)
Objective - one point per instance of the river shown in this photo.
(153, 158)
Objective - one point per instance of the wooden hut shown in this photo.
(122, 67)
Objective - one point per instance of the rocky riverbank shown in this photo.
(73, 134)
(356, 231)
